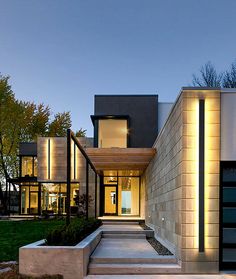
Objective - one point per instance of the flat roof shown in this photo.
(120, 158)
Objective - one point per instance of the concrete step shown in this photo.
(124, 235)
(120, 222)
(122, 268)
(148, 233)
(157, 260)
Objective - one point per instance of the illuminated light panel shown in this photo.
(201, 171)
(49, 158)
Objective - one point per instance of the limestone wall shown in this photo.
(172, 182)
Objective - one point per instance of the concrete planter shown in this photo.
(69, 261)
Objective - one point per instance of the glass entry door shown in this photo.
(110, 200)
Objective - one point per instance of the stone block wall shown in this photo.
(172, 182)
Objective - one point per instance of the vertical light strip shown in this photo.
(201, 174)
(74, 161)
(49, 161)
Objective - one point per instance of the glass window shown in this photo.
(128, 196)
(229, 255)
(24, 200)
(35, 166)
(53, 197)
(229, 215)
(229, 235)
(29, 166)
(112, 133)
(110, 180)
(229, 194)
(229, 174)
(29, 199)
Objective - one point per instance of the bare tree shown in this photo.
(208, 77)
(229, 77)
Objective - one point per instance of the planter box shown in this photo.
(69, 261)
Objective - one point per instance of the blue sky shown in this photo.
(63, 52)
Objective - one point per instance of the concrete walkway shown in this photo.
(188, 276)
(124, 249)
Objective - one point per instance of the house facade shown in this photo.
(172, 165)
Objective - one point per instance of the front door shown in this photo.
(110, 200)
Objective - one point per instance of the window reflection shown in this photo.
(29, 166)
(112, 133)
(54, 196)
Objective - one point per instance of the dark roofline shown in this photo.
(125, 95)
(200, 88)
(107, 116)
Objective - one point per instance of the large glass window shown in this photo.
(128, 196)
(112, 133)
(29, 199)
(29, 166)
(53, 197)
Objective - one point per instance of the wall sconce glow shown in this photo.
(201, 172)
(49, 161)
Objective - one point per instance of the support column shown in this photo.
(68, 182)
(87, 188)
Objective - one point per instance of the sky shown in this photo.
(63, 52)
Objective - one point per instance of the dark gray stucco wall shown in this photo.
(142, 110)
(28, 149)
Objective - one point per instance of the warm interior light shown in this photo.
(49, 158)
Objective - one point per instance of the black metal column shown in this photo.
(95, 202)
(39, 198)
(87, 188)
(201, 173)
(68, 182)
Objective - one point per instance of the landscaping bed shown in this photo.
(70, 235)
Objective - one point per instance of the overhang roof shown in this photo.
(120, 158)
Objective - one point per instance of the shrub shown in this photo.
(72, 234)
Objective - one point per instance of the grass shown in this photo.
(14, 234)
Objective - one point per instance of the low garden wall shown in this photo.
(71, 262)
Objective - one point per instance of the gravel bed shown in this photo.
(161, 250)
(144, 227)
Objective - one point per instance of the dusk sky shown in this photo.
(62, 52)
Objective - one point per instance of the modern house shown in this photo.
(172, 165)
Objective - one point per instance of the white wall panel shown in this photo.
(228, 126)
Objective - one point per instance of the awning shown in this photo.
(120, 158)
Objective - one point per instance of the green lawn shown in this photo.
(14, 234)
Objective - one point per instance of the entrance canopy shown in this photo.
(120, 158)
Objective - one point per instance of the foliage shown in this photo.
(14, 234)
(229, 78)
(80, 133)
(81, 202)
(23, 122)
(72, 234)
(210, 78)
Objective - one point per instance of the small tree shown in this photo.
(229, 77)
(80, 133)
(208, 77)
(81, 202)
